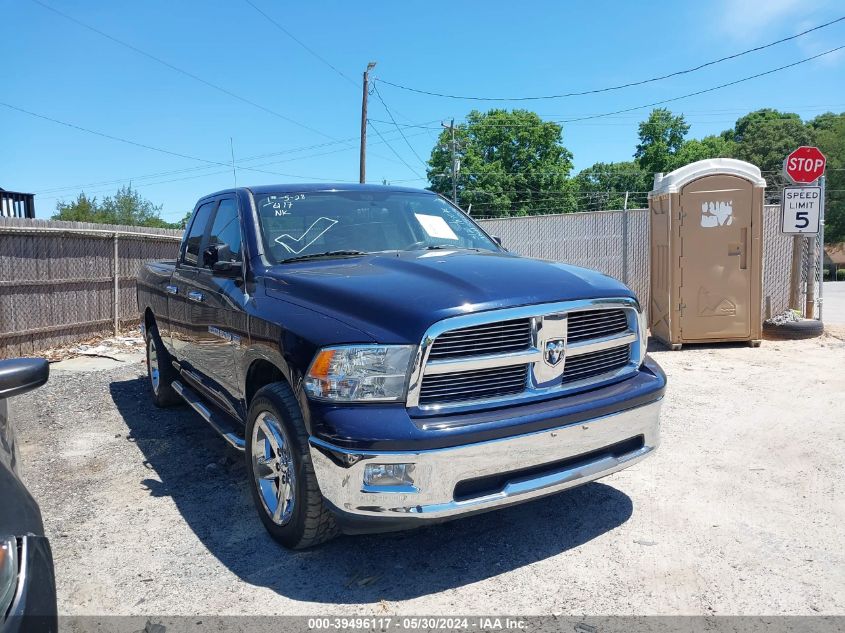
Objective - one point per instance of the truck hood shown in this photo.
(395, 297)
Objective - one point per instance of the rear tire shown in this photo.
(283, 484)
(160, 371)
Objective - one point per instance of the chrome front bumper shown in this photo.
(436, 472)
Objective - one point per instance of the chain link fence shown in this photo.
(614, 242)
(59, 282)
(62, 282)
(617, 244)
(777, 263)
(811, 272)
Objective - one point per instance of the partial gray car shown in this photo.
(27, 580)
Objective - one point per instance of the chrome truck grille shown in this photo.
(589, 324)
(522, 353)
(491, 338)
(596, 363)
(481, 383)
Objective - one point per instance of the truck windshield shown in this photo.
(296, 225)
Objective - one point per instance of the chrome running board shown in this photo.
(216, 420)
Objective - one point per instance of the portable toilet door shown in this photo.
(706, 241)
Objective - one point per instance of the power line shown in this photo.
(181, 70)
(199, 168)
(620, 86)
(633, 121)
(392, 149)
(303, 45)
(153, 148)
(390, 114)
(706, 90)
(147, 184)
(672, 99)
(109, 136)
(624, 120)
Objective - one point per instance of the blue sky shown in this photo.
(59, 69)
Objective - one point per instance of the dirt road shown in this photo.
(741, 511)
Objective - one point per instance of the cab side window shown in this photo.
(224, 239)
(193, 241)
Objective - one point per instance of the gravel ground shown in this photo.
(741, 511)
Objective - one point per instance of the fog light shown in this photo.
(388, 475)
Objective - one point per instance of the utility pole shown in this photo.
(362, 177)
(455, 165)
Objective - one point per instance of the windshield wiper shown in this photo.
(300, 258)
(447, 247)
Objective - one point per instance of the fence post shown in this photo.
(810, 299)
(116, 269)
(625, 240)
(795, 272)
(820, 245)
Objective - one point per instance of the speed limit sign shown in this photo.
(801, 209)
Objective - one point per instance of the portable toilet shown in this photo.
(706, 253)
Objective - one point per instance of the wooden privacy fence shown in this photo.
(61, 282)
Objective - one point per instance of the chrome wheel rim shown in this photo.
(273, 468)
(152, 365)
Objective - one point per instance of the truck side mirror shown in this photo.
(218, 257)
(497, 239)
(216, 253)
(227, 269)
(19, 375)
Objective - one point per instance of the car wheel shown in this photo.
(160, 371)
(283, 485)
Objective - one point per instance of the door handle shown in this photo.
(172, 290)
(193, 295)
(740, 249)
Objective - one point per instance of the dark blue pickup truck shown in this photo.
(383, 362)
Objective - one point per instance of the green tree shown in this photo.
(511, 163)
(709, 147)
(604, 185)
(83, 209)
(829, 130)
(183, 223)
(765, 137)
(127, 206)
(661, 138)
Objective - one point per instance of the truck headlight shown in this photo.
(8, 574)
(360, 373)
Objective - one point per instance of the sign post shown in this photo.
(803, 215)
(821, 246)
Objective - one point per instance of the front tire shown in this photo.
(283, 484)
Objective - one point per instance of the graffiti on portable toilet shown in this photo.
(715, 214)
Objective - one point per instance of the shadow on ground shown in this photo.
(657, 346)
(211, 494)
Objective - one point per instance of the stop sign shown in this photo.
(805, 164)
